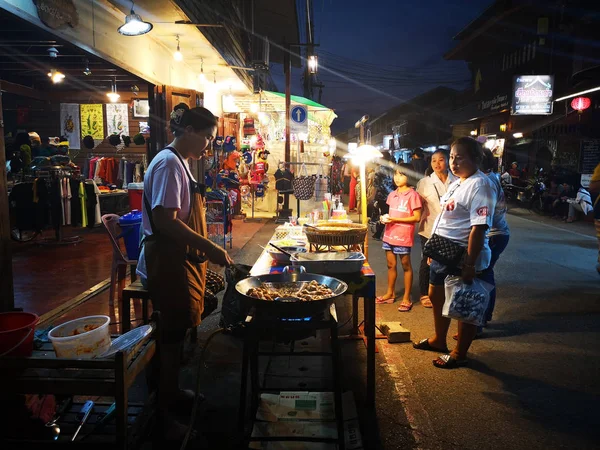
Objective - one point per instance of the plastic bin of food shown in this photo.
(83, 338)
(282, 257)
(329, 263)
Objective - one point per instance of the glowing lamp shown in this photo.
(56, 76)
(581, 103)
(134, 25)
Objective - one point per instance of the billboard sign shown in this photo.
(532, 95)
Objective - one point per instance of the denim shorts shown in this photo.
(396, 249)
(438, 273)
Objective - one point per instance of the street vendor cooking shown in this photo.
(172, 262)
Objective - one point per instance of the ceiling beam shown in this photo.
(18, 89)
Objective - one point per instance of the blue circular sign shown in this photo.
(298, 114)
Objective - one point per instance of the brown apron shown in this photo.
(176, 273)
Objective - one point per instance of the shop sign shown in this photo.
(588, 160)
(532, 95)
(57, 13)
(498, 103)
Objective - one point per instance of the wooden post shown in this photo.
(7, 294)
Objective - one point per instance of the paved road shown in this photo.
(533, 380)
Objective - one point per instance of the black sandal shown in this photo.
(425, 345)
(449, 362)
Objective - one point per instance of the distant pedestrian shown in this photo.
(467, 212)
(431, 189)
(581, 203)
(398, 237)
(418, 163)
(595, 188)
(354, 175)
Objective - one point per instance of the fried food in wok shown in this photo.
(306, 292)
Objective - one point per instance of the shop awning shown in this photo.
(270, 101)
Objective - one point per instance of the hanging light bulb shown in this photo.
(56, 76)
(202, 77)
(134, 25)
(178, 55)
(87, 72)
(254, 107)
(113, 95)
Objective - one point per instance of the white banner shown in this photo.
(69, 124)
(117, 119)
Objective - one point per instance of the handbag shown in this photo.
(303, 185)
(444, 250)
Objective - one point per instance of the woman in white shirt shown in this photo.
(467, 212)
(431, 189)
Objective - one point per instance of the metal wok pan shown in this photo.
(290, 307)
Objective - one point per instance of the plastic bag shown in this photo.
(466, 302)
(233, 311)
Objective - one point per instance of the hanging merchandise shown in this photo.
(117, 119)
(229, 144)
(259, 191)
(283, 179)
(245, 194)
(303, 184)
(243, 171)
(247, 155)
(231, 160)
(249, 127)
(218, 143)
(260, 143)
(335, 175)
(321, 185)
(69, 120)
(92, 121)
(234, 197)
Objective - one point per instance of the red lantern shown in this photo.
(581, 103)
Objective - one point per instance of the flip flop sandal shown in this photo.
(449, 362)
(381, 301)
(404, 307)
(425, 345)
(426, 302)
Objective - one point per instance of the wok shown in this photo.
(290, 307)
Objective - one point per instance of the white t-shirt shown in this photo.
(466, 204)
(166, 184)
(431, 189)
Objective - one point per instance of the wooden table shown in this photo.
(44, 373)
(360, 285)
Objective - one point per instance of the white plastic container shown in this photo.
(71, 340)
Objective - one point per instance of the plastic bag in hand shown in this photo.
(466, 302)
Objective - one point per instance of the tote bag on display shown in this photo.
(321, 185)
(303, 184)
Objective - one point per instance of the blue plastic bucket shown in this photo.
(130, 224)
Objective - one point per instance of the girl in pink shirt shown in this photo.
(405, 212)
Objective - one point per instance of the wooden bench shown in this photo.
(44, 373)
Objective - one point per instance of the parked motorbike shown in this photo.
(530, 196)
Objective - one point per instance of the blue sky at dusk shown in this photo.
(394, 46)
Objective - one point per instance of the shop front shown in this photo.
(257, 123)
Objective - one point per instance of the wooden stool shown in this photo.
(134, 290)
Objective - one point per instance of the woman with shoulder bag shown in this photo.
(467, 211)
(175, 248)
(431, 189)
